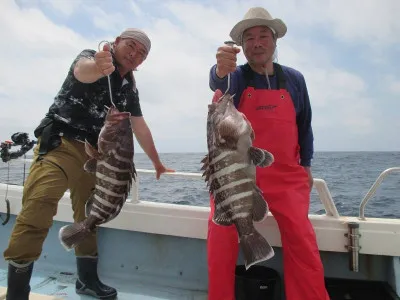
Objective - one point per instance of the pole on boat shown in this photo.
(353, 246)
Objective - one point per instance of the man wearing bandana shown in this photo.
(77, 114)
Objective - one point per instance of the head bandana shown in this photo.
(137, 35)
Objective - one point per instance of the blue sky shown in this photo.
(348, 52)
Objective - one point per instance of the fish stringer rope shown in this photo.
(108, 76)
(229, 43)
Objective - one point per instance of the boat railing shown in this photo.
(319, 185)
(371, 192)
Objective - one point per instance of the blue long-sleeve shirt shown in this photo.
(296, 86)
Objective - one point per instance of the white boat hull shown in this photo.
(166, 244)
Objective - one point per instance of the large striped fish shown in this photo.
(114, 168)
(229, 170)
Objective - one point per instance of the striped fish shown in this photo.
(114, 169)
(229, 170)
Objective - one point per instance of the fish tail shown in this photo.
(72, 235)
(255, 249)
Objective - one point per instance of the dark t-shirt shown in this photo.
(79, 109)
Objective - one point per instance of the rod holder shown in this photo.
(353, 246)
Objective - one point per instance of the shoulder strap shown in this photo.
(248, 75)
(280, 76)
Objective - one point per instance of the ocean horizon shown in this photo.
(348, 175)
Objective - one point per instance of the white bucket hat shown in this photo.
(257, 16)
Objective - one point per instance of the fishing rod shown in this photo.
(17, 139)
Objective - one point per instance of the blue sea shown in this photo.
(349, 175)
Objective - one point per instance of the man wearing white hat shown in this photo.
(275, 100)
(77, 115)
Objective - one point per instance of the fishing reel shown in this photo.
(17, 139)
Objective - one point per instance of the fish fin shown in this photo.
(222, 221)
(214, 185)
(260, 157)
(72, 235)
(260, 206)
(88, 205)
(221, 218)
(206, 175)
(90, 165)
(205, 162)
(255, 249)
(205, 159)
(204, 167)
(91, 151)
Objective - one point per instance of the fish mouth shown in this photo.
(113, 110)
(221, 105)
(115, 116)
(226, 98)
(118, 117)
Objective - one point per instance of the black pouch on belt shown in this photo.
(49, 136)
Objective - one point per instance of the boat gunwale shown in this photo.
(378, 236)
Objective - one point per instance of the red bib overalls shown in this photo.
(286, 189)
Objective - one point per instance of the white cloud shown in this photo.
(136, 8)
(105, 20)
(192, 15)
(36, 54)
(374, 22)
(395, 87)
(65, 7)
(338, 96)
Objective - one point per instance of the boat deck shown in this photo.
(61, 285)
(139, 265)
